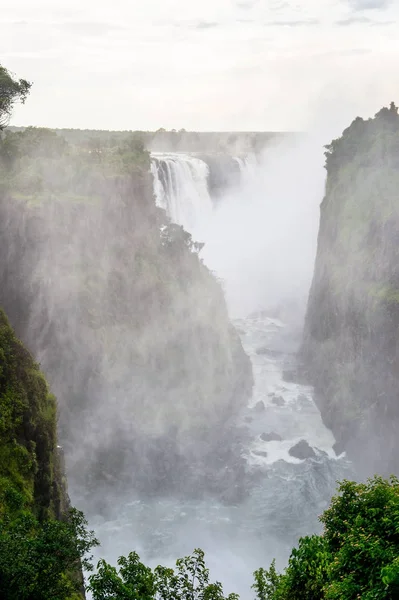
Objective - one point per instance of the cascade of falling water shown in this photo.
(181, 188)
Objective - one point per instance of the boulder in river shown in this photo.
(278, 400)
(259, 406)
(338, 448)
(271, 437)
(290, 375)
(302, 450)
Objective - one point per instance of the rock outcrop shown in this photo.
(302, 450)
(128, 324)
(350, 350)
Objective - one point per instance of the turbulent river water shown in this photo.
(287, 493)
(285, 500)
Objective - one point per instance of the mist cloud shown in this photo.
(369, 4)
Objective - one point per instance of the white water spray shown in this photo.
(181, 188)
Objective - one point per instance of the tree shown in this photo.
(357, 555)
(39, 561)
(11, 91)
(135, 581)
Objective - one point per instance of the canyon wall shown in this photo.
(350, 350)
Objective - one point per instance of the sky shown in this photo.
(255, 65)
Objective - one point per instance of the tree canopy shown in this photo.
(12, 90)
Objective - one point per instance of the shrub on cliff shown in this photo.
(357, 555)
(40, 561)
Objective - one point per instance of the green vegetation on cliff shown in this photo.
(351, 336)
(28, 453)
(42, 541)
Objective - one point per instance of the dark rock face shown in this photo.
(224, 172)
(259, 406)
(290, 375)
(260, 453)
(271, 437)
(131, 329)
(278, 400)
(338, 448)
(302, 450)
(350, 350)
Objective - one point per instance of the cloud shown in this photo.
(369, 4)
(353, 20)
(206, 24)
(89, 28)
(246, 4)
(292, 23)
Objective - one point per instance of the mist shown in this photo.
(262, 238)
(260, 242)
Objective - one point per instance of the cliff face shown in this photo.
(128, 324)
(30, 464)
(351, 339)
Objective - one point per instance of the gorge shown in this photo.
(185, 419)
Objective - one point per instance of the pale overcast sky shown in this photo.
(204, 65)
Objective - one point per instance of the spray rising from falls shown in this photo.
(287, 463)
(190, 187)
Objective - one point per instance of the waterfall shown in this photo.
(181, 188)
(247, 166)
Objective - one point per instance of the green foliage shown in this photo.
(11, 91)
(39, 560)
(27, 428)
(355, 557)
(267, 583)
(135, 581)
(371, 139)
(39, 164)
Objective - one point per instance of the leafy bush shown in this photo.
(357, 555)
(40, 561)
(135, 581)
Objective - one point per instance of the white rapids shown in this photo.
(286, 496)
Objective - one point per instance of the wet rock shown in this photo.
(259, 406)
(268, 352)
(303, 399)
(338, 448)
(260, 453)
(271, 437)
(290, 375)
(278, 400)
(302, 450)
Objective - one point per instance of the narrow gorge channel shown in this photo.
(284, 453)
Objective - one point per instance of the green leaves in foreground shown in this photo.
(41, 561)
(135, 581)
(357, 555)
